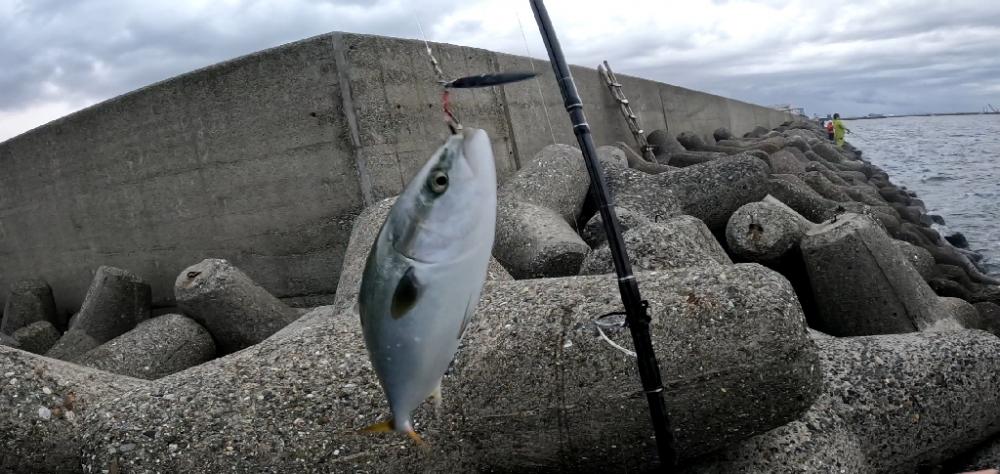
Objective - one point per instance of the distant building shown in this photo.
(790, 109)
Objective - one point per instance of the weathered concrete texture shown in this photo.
(190, 167)
(891, 404)
(8, 341)
(983, 457)
(248, 160)
(29, 300)
(116, 301)
(636, 162)
(535, 242)
(555, 178)
(862, 283)
(71, 344)
(235, 310)
(918, 257)
(594, 234)
(989, 317)
(764, 231)
(641, 193)
(155, 348)
(678, 242)
(43, 402)
(713, 191)
(37, 337)
(293, 404)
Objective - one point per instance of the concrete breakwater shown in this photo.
(796, 318)
(265, 160)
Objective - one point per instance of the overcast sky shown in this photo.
(854, 57)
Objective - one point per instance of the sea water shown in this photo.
(951, 162)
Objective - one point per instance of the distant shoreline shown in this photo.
(920, 115)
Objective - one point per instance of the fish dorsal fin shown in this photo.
(406, 295)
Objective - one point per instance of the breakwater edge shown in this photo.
(953, 162)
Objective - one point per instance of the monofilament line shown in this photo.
(538, 81)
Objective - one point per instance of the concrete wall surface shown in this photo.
(266, 159)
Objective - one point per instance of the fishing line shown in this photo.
(449, 116)
(538, 80)
(601, 324)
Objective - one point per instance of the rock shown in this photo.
(945, 287)
(757, 132)
(642, 193)
(785, 162)
(797, 142)
(764, 231)
(918, 257)
(611, 156)
(856, 178)
(116, 301)
(313, 388)
(864, 194)
(936, 219)
(678, 242)
(827, 152)
(636, 162)
(956, 274)
(795, 193)
(683, 159)
(9, 341)
(37, 337)
(72, 344)
(862, 283)
(593, 233)
(693, 142)
(984, 457)
(535, 242)
(235, 310)
(825, 187)
(824, 169)
(722, 133)
(663, 142)
(989, 317)
(960, 314)
(713, 191)
(29, 300)
(958, 240)
(155, 348)
(555, 178)
(43, 402)
(890, 404)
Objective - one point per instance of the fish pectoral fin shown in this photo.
(406, 294)
(381, 427)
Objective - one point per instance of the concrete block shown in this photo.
(664, 142)
(317, 389)
(37, 337)
(764, 231)
(116, 301)
(713, 191)
(878, 413)
(642, 193)
(593, 232)
(989, 317)
(828, 152)
(918, 257)
(795, 193)
(44, 402)
(555, 178)
(722, 133)
(72, 344)
(784, 162)
(679, 242)
(235, 310)
(862, 284)
(636, 162)
(155, 348)
(535, 242)
(824, 186)
(9, 341)
(29, 300)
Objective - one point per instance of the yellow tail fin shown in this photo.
(388, 426)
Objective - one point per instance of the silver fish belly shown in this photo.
(426, 269)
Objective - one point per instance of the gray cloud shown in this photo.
(851, 56)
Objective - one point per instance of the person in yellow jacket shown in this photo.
(839, 130)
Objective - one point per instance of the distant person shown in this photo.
(828, 125)
(839, 130)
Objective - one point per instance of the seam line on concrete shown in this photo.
(495, 60)
(347, 100)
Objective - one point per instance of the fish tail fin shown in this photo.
(386, 426)
(418, 440)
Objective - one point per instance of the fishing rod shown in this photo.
(636, 314)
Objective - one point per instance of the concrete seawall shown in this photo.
(265, 159)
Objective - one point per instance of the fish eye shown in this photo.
(438, 181)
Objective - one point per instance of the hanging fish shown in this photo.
(425, 271)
